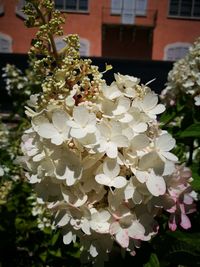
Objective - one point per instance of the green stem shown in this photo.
(174, 116)
(53, 45)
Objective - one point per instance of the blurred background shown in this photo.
(133, 29)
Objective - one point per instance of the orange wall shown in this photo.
(170, 30)
(85, 26)
(11, 25)
(89, 26)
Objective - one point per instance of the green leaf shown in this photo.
(192, 131)
(153, 261)
(196, 178)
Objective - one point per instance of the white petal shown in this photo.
(39, 157)
(122, 106)
(120, 140)
(81, 201)
(165, 142)
(149, 161)
(139, 142)
(111, 92)
(100, 227)
(118, 182)
(47, 130)
(81, 115)
(86, 227)
(59, 119)
(102, 179)
(158, 109)
(67, 238)
(140, 127)
(156, 185)
(111, 150)
(129, 190)
(125, 118)
(111, 168)
(169, 168)
(169, 156)
(93, 251)
(104, 215)
(57, 139)
(136, 230)
(62, 218)
(150, 100)
(142, 176)
(78, 133)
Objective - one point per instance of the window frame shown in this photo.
(138, 13)
(9, 39)
(77, 10)
(174, 46)
(179, 16)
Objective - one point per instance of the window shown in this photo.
(72, 5)
(137, 7)
(176, 51)
(184, 8)
(18, 9)
(5, 43)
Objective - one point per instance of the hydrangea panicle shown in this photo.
(98, 157)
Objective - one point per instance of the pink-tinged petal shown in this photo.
(187, 199)
(122, 238)
(114, 228)
(172, 223)
(185, 221)
(156, 185)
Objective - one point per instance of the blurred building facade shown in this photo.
(134, 29)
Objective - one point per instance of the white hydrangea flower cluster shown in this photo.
(184, 78)
(103, 165)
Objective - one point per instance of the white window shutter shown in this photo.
(5, 43)
(128, 12)
(18, 9)
(116, 7)
(84, 47)
(141, 7)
